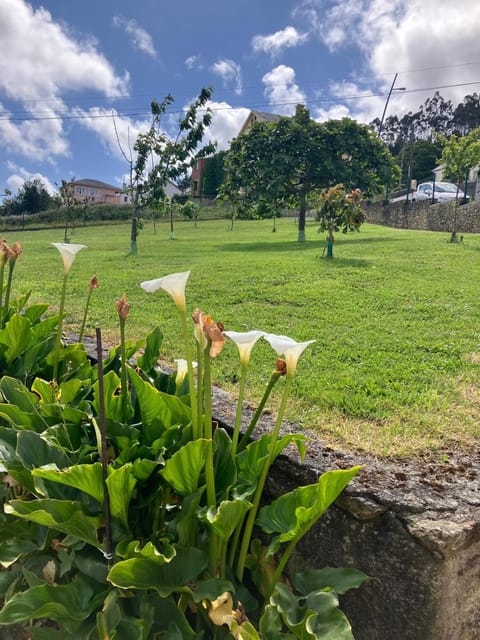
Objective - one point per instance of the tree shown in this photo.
(425, 159)
(32, 197)
(282, 163)
(459, 155)
(339, 209)
(160, 159)
(213, 175)
(67, 199)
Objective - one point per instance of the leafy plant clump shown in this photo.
(127, 514)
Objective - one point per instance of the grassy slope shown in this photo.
(396, 317)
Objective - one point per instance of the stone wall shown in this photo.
(412, 525)
(425, 216)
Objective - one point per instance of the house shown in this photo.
(199, 168)
(98, 192)
(258, 116)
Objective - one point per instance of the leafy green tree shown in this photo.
(213, 175)
(425, 159)
(466, 116)
(282, 163)
(160, 158)
(30, 198)
(459, 155)
(339, 209)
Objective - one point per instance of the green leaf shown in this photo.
(339, 579)
(17, 393)
(85, 477)
(223, 462)
(61, 515)
(65, 603)
(294, 513)
(17, 335)
(109, 617)
(34, 451)
(153, 342)
(158, 408)
(211, 589)
(147, 573)
(112, 397)
(121, 485)
(228, 515)
(182, 471)
(35, 311)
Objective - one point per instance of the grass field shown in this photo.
(395, 368)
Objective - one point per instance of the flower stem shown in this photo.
(56, 354)
(238, 417)
(84, 321)
(247, 534)
(123, 356)
(11, 266)
(276, 375)
(2, 273)
(191, 377)
(209, 468)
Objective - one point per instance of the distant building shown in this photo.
(258, 116)
(196, 180)
(98, 192)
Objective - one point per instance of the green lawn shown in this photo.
(396, 364)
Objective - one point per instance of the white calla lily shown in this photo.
(68, 252)
(174, 284)
(245, 341)
(182, 370)
(289, 348)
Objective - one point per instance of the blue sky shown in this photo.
(67, 66)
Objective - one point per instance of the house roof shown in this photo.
(88, 182)
(259, 116)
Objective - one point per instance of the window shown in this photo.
(80, 189)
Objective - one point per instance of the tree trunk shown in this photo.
(330, 245)
(301, 218)
(133, 235)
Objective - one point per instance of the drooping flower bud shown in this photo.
(123, 308)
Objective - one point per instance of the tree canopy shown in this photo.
(30, 198)
(282, 163)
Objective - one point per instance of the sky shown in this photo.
(77, 78)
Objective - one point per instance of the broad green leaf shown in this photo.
(135, 549)
(109, 617)
(61, 515)
(70, 602)
(85, 477)
(18, 419)
(226, 517)
(44, 390)
(244, 631)
(35, 311)
(121, 485)
(17, 393)
(211, 589)
(151, 352)
(331, 625)
(17, 335)
(112, 397)
(271, 625)
(157, 407)
(340, 579)
(223, 462)
(250, 461)
(182, 471)
(91, 563)
(293, 514)
(34, 451)
(147, 573)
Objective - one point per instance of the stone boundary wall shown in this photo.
(426, 217)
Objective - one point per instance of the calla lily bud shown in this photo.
(15, 251)
(4, 253)
(93, 284)
(123, 308)
(207, 330)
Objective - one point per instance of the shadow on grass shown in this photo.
(294, 245)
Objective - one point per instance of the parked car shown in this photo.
(444, 191)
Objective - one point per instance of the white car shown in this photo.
(444, 191)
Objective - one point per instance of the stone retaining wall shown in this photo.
(412, 525)
(425, 216)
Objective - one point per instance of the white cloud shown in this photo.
(103, 123)
(16, 180)
(404, 36)
(230, 72)
(226, 123)
(39, 62)
(276, 42)
(282, 91)
(139, 37)
(193, 62)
